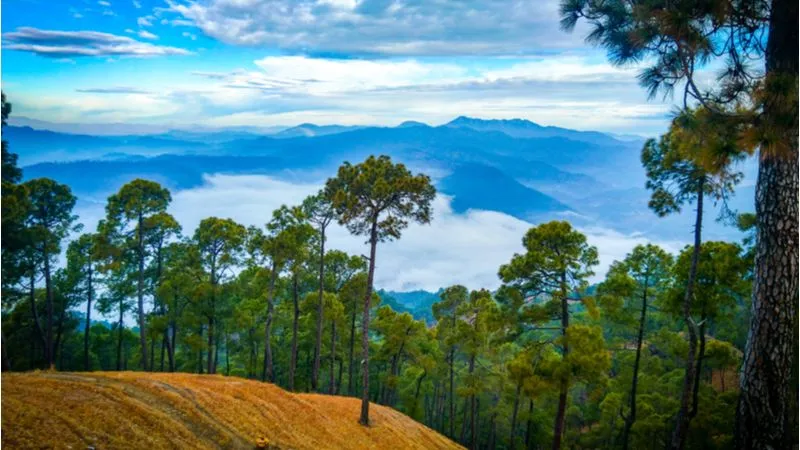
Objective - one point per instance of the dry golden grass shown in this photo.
(154, 411)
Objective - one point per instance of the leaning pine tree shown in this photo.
(377, 198)
(680, 37)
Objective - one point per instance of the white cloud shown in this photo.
(454, 248)
(137, 4)
(103, 3)
(144, 34)
(145, 21)
(61, 44)
(400, 27)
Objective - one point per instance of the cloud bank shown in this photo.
(67, 44)
(453, 249)
(382, 27)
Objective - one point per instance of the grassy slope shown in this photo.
(143, 410)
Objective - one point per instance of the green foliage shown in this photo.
(380, 193)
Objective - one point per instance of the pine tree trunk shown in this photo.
(373, 242)
(295, 322)
(767, 410)
(140, 290)
(701, 353)
(49, 350)
(351, 366)
(514, 411)
(35, 315)
(119, 336)
(682, 420)
(87, 364)
(332, 386)
(563, 389)
(451, 396)
(320, 308)
(266, 374)
(529, 428)
(631, 418)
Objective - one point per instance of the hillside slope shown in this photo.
(157, 410)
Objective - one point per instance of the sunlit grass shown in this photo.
(158, 410)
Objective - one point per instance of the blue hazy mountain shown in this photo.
(418, 303)
(477, 186)
(526, 129)
(33, 145)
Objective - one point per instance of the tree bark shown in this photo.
(267, 374)
(767, 410)
(35, 314)
(295, 322)
(49, 350)
(514, 411)
(87, 364)
(140, 290)
(682, 420)
(120, 325)
(631, 418)
(701, 353)
(351, 366)
(373, 243)
(451, 396)
(563, 390)
(320, 309)
(332, 386)
(529, 427)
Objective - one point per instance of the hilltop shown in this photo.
(158, 410)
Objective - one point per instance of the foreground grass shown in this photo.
(158, 410)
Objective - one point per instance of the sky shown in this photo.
(247, 63)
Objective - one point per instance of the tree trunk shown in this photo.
(472, 422)
(701, 352)
(339, 378)
(563, 389)
(210, 340)
(171, 346)
(140, 290)
(373, 242)
(332, 387)
(35, 314)
(631, 418)
(87, 364)
(514, 411)
(295, 322)
(529, 428)
(267, 374)
(682, 419)
(350, 367)
(49, 350)
(416, 393)
(451, 397)
(767, 410)
(320, 308)
(200, 354)
(120, 325)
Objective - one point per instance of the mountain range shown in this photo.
(516, 167)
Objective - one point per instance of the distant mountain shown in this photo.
(521, 128)
(476, 186)
(311, 130)
(34, 145)
(417, 303)
(412, 123)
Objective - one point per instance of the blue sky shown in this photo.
(246, 63)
